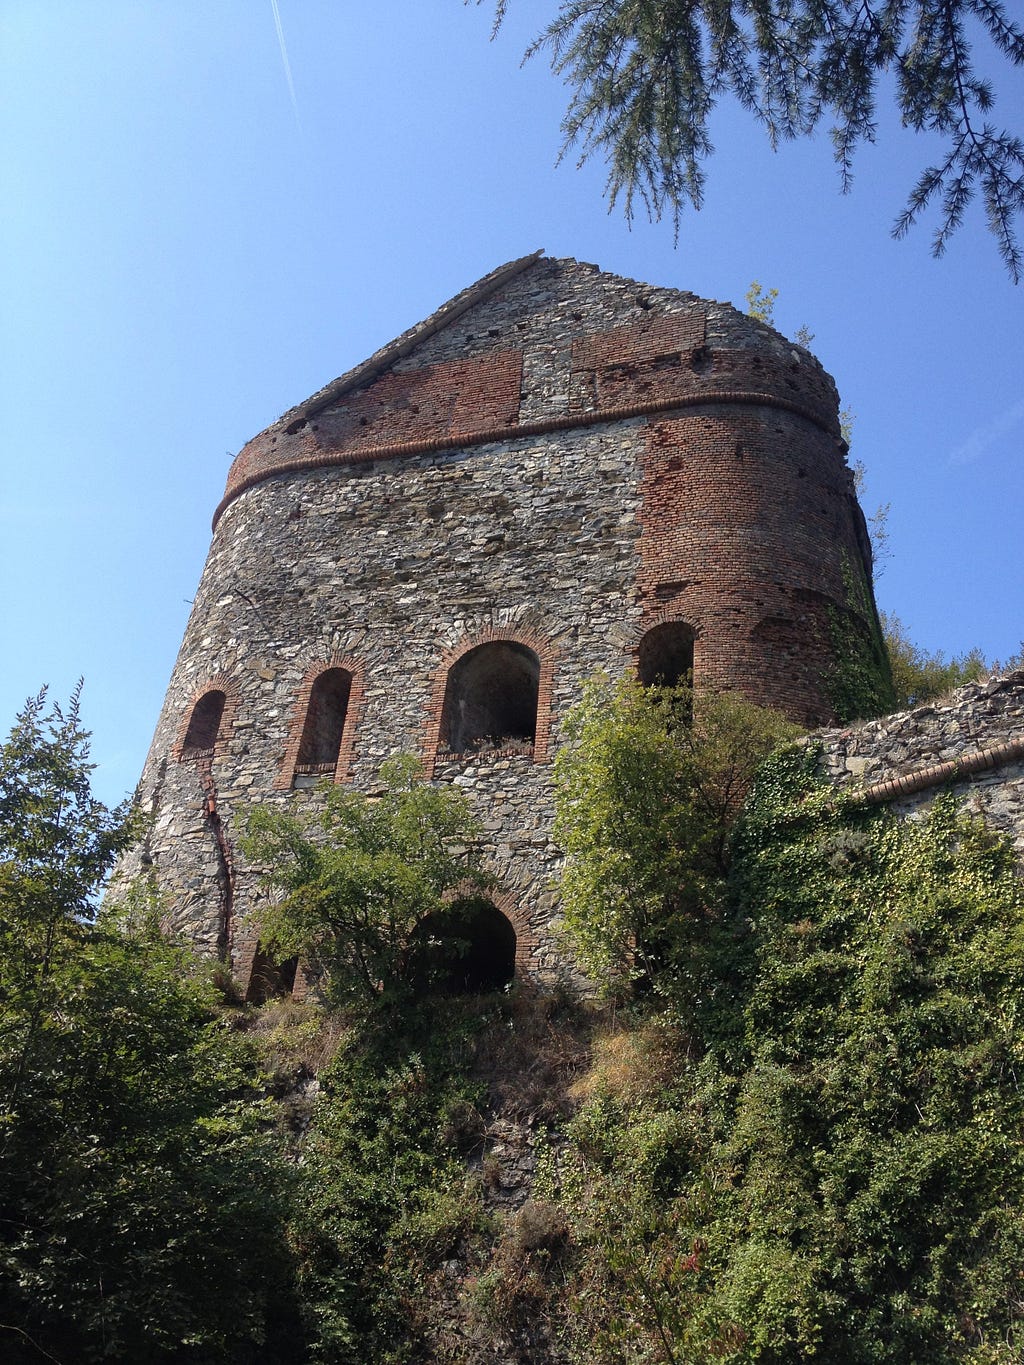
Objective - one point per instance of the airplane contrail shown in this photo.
(285, 62)
(982, 438)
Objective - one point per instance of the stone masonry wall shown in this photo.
(906, 758)
(562, 459)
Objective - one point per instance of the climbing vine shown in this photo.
(859, 683)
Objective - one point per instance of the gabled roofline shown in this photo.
(396, 350)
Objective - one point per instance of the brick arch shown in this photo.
(521, 634)
(217, 682)
(667, 617)
(506, 903)
(357, 691)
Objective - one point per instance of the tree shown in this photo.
(141, 1204)
(358, 879)
(57, 844)
(919, 676)
(647, 787)
(645, 76)
(761, 303)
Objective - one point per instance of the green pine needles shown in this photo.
(645, 76)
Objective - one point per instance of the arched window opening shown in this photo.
(468, 948)
(269, 980)
(323, 728)
(491, 699)
(665, 657)
(204, 725)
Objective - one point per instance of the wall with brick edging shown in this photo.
(971, 743)
(342, 769)
(559, 458)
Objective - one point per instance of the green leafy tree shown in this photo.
(761, 303)
(647, 786)
(57, 844)
(141, 1202)
(358, 879)
(645, 76)
(919, 676)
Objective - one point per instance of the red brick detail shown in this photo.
(651, 618)
(219, 682)
(432, 402)
(746, 520)
(659, 334)
(527, 942)
(262, 458)
(300, 991)
(520, 635)
(243, 952)
(356, 696)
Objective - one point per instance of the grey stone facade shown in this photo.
(363, 532)
(971, 743)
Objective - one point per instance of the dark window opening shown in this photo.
(467, 949)
(204, 725)
(666, 656)
(491, 699)
(323, 727)
(270, 980)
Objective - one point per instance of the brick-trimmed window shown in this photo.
(492, 694)
(322, 733)
(664, 654)
(208, 720)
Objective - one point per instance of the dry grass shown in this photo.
(630, 1064)
(295, 1040)
(529, 1054)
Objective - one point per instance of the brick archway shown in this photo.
(520, 635)
(664, 620)
(357, 689)
(217, 682)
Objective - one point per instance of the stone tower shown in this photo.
(559, 471)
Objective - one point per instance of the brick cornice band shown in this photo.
(935, 774)
(462, 440)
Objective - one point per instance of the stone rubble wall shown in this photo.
(978, 719)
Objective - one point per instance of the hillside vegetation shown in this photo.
(790, 1127)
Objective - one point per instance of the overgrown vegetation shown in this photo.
(357, 885)
(859, 683)
(801, 1139)
(141, 1200)
(647, 785)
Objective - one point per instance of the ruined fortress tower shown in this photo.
(559, 471)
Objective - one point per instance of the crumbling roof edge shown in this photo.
(395, 350)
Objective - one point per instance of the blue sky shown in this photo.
(187, 251)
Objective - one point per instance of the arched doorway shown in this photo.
(467, 948)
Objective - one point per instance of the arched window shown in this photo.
(204, 724)
(490, 699)
(323, 727)
(468, 948)
(665, 656)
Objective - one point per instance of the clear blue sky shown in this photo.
(187, 251)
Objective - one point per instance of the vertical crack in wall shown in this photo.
(226, 868)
